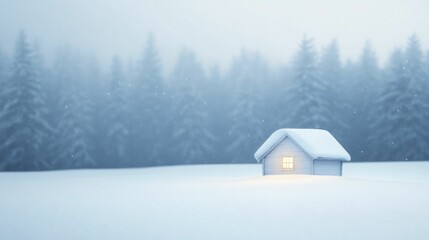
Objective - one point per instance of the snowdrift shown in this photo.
(216, 202)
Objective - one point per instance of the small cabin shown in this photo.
(302, 151)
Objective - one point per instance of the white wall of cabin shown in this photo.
(303, 163)
(287, 148)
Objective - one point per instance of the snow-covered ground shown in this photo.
(373, 201)
(394, 171)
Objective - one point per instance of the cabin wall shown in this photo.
(272, 164)
(328, 167)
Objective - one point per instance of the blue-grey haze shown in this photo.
(147, 83)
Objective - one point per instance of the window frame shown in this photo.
(289, 165)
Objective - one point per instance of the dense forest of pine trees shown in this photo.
(72, 115)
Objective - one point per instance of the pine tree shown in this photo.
(427, 63)
(394, 108)
(416, 142)
(94, 86)
(3, 101)
(22, 124)
(217, 94)
(331, 74)
(426, 96)
(53, 92)
(403, 106)
(3, 69)
(3, 77)
(74, 128)
(363, 111)
(306, 95)
(148, 101)
(248, 128)
(192, 141)
(350, 71)
(42, 73)
(280, 89)
(117, 118)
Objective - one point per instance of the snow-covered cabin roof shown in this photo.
(317, 143)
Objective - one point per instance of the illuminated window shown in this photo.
(288, 163)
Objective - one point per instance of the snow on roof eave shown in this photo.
(269, 144)
(259, 158)
(317, 143)
(333, 158)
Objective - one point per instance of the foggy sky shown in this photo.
(217, 30)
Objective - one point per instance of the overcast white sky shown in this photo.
(217, 29)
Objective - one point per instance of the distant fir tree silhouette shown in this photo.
(363, 109)
(3, 70)
(426, 62)
(416, 142)
(23, 127)
(94, 88)
(217, 92)
(331, 76)
(248, 128)
(3, 78)
(307, 93)
(148, 102)
(117, 122)
(192, 140)
(74, 129)
(394, 106)
(403, 103)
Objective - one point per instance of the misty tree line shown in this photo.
(72, 115)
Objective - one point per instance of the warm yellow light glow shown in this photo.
(288, 163)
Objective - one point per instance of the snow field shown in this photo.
(213, 202)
